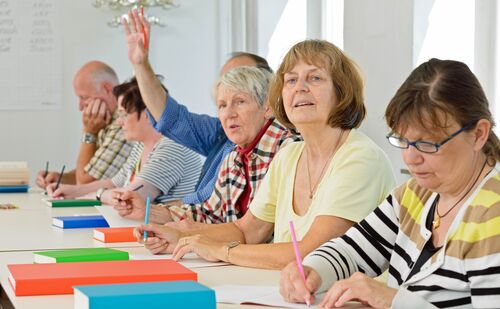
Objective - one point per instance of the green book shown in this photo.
(73, 203)
(80, 255)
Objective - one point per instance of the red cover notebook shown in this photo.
(59, 278)
(115, 234)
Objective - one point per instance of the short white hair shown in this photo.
(250, 80)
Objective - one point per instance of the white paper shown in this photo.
(190, 260)
(254, 294)
(114, 219)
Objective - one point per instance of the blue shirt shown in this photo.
(200, 133)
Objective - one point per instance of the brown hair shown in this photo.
(132, 100)
(350, 110)
(437, 89)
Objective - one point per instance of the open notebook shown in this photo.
(262, 295)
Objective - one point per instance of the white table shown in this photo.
(30, 227)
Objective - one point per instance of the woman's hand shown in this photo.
(64, 191)
(292, 285)
(137, 29)
(203, 246)
(129, 204)
(362, 288)
(161, 239)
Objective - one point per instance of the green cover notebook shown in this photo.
(80, 255)
(73, 203)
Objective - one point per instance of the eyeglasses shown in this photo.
(423, 146)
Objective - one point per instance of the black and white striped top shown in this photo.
(464, 273)
(170, 167)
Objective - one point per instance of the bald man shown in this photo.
(103, 148)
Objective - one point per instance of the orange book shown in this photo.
(115, 234)
(59, 278)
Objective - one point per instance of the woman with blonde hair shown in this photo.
(324, 184)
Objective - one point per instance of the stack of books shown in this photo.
(14, 177)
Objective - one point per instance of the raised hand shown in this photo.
(137, 29)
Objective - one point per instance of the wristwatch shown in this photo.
(88, 138)
(99, 193)
(230, 245)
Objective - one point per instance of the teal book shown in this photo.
(73, 203)
(151, 295)
(80, 255)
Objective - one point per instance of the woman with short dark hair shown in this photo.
(438, 234)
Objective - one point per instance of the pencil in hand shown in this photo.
(60, 177)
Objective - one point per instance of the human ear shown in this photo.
(481, 133)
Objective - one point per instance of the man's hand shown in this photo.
(43, 180)
(95, 116)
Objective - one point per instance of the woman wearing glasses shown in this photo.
(439, 233)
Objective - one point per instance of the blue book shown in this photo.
(14, 189)
(74, 222)
(151, 295)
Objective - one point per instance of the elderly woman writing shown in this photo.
(163, 169)
(324, 184)
(438, 234)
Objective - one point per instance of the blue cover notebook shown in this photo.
(73, 222)
(14, 189)
(171, 294)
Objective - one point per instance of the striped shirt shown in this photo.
(464, 273)
(170, 167)
(200, 133)
(221, 206)
(111, 153)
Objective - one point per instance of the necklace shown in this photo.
(312, 189)
(437, 220)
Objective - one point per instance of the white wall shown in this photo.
(378, 36)
(184, 52)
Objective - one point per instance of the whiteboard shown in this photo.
(30, 55)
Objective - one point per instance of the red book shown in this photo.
(115, 234)
(59, 278)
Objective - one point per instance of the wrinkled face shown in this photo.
(447, 169)
(241, 116)
(132, 127)
(308, 94)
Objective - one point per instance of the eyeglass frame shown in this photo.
(416, 143)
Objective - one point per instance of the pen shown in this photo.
(59, 179)
(135, 189)
(46, 169)
(144, 35)
(297, 254)
(146, 218)
(45, 174)
(138, 188)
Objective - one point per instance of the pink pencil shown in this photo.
(297, 253)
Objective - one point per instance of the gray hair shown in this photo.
(249, 80)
